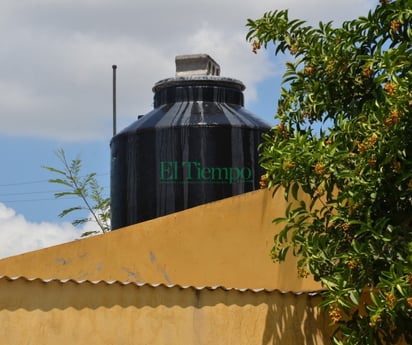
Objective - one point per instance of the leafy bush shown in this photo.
(344, 137)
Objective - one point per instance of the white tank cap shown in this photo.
(196, 64)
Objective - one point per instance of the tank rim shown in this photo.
(206, 80)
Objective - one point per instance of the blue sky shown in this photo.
(55, 85)
(25, 186)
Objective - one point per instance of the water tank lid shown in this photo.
(196, 64)
(195, 70)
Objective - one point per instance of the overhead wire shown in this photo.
(32, 200)
(29, 193)
(22, 183)
(37, 181)
(26, 193)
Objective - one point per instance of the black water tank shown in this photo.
(198, 144)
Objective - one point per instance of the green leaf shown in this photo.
(89, 233)
(62, 182)
(295, 189)
(80, 221)
(69, 210)
(69, 193)
(61, 172)
(282, 253)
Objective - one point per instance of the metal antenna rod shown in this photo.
(114, 99)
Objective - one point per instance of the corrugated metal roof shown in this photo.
(198, 288)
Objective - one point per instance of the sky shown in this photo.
(56, 62)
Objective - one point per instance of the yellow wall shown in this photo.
(225, 243)
(42, 313)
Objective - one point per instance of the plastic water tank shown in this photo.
(198, 144)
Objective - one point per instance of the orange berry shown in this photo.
(294, 49)
(289, 165)
(367, 72)
(335, 314)
(390, 300)
(372, 140)
(361, 148)
(303, 272)
(345, 227)
(395, 25)
(309, 70)
(320, 168)
(390, 88)
(409, 301)
(372, 162)
(255, 46)
(264, 181)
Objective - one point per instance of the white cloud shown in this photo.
(17, 235)
(56, 56)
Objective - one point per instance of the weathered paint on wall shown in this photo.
(225, 243)
(37, 312)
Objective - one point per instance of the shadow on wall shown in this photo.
(296, 320)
